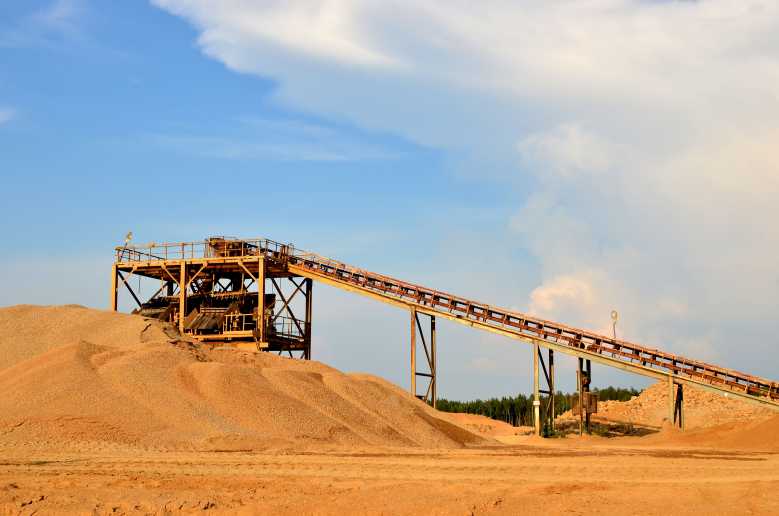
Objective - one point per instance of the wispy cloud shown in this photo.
(59, 20)
(275, 140)
(6, 114)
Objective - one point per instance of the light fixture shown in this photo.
(614, 319)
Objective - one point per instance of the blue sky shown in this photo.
(512, 153)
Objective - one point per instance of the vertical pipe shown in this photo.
(113, 288)
(309, 307)
(433, 365)
(551, 391)
(579, 388)
(536, 394)
(182, 294)
(413, 353)
(671, 401)
(261, 299)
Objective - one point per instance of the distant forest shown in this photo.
(518, 411)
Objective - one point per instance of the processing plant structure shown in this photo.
(257, 294)
(209, 290)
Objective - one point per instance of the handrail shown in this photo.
(197, 249)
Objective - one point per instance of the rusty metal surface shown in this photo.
(590, 403)
(285, 258)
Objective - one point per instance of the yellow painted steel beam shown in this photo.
(114, 289)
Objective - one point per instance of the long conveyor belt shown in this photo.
(599, 348)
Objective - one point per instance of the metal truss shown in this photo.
(549, 410)
(427, 375)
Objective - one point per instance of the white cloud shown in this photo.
(562, 294)
(57, 20)
(644, 136)
(279, 140)
(330, 28)
(6, 114)
(566, 150)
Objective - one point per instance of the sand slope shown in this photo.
(760, 435)
(702, 409)
(484, 425)
(73, 375)
(712, 420)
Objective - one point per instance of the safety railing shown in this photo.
(287, 327)
(238, 322)
(214, 247)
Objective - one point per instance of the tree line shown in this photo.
(518, 410)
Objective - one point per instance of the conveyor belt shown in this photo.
(600, 348)
(285, 259)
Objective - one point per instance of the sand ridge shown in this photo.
(75, 376)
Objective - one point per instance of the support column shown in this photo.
(309, 287)
(679, 407)
(261, 299)
(114, 288)
(580, 390)
(536, 394)
(434, 366)
(588, 366)
(413, 353)
(671, 400)
(182, 295)
(551, 391)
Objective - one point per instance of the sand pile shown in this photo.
(702, 409)
(484, 425)
(752, 436)
(74, 375)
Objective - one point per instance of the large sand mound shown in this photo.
(712, 420)
(702, 409)
(72, 375)
(484, 425)
(751, 436)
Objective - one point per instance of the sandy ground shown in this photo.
(112, 414)
(535, 478)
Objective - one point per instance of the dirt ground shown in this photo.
(105, 413)
(557, 476)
